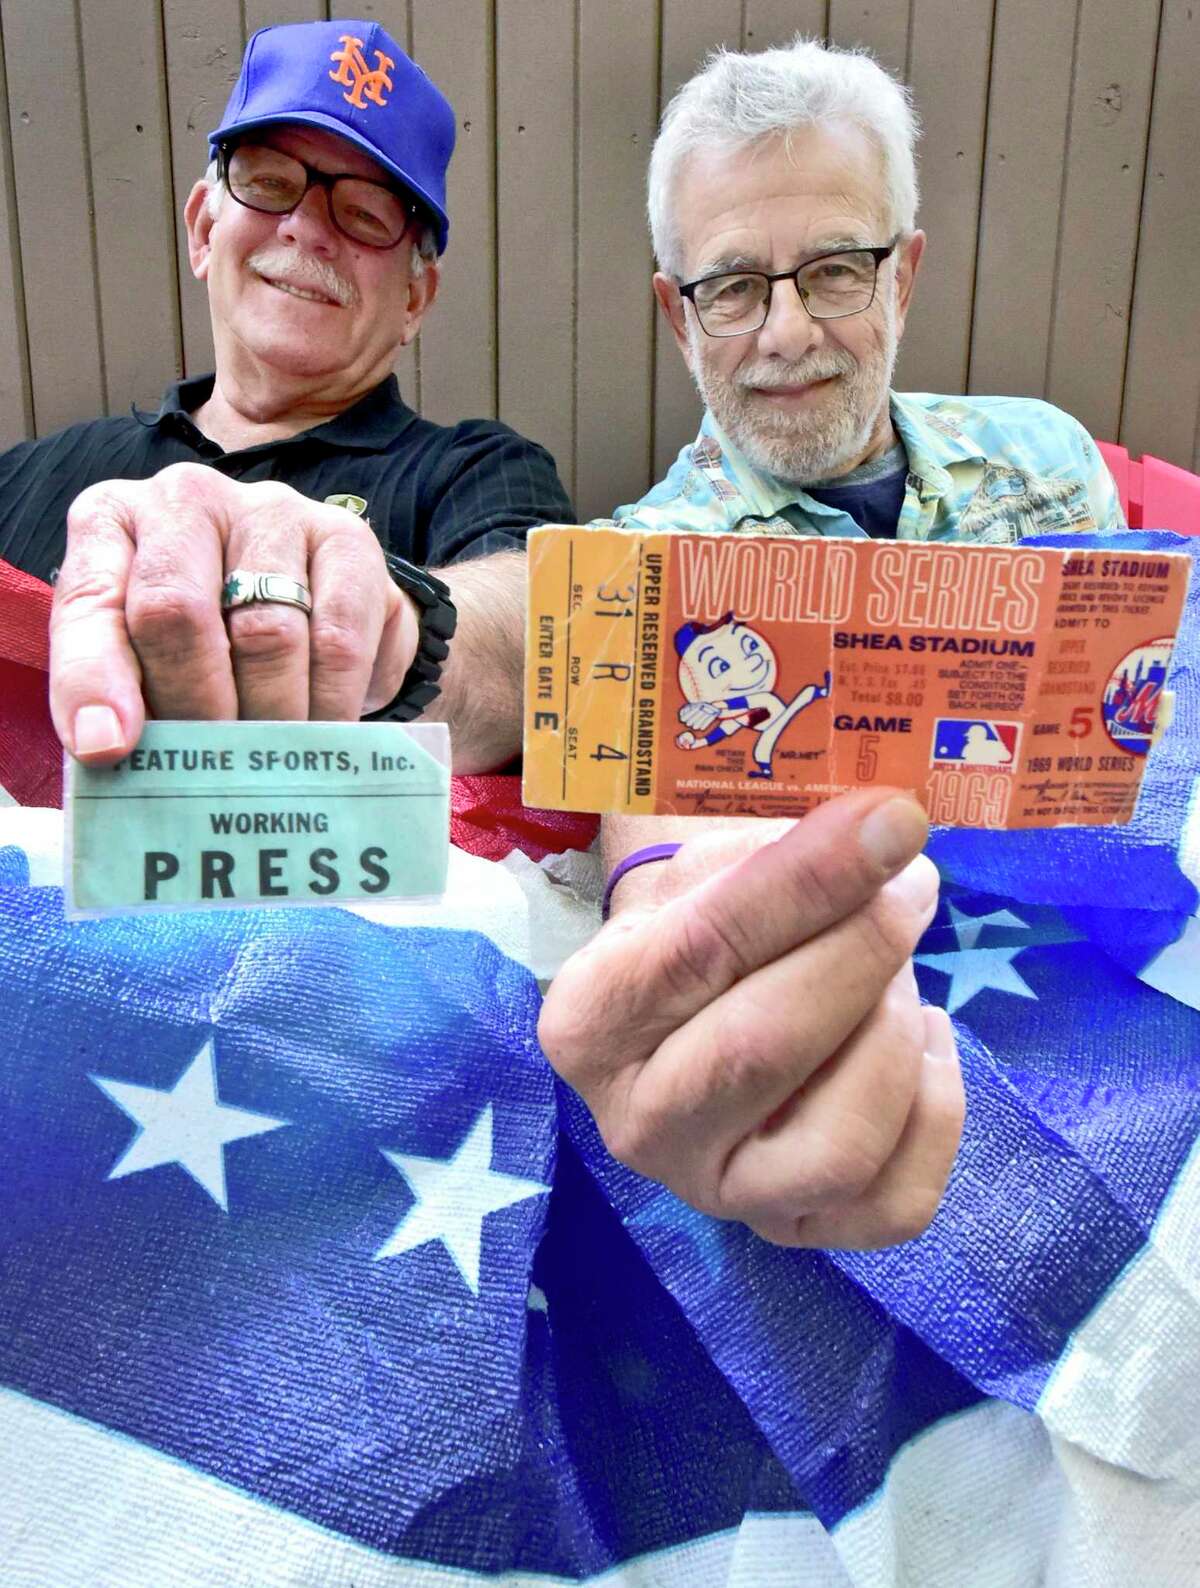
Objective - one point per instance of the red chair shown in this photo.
(1154, 494)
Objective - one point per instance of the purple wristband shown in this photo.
(639, 857)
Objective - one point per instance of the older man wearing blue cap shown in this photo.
(265, 551)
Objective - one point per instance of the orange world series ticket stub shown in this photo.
(1008, 686)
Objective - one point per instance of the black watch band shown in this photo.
(437, 620)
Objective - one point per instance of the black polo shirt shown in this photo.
(435, 494)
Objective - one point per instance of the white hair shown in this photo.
(423, 250)
(737, 99)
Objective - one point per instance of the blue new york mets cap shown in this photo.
(351, 78)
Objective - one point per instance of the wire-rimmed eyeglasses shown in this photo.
(831, 286)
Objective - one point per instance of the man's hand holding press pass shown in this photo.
(137, 621)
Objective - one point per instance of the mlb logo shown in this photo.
(974, 741)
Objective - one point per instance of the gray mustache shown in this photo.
(797, 375)
(302, 270)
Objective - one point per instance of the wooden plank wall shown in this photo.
(1057, 191)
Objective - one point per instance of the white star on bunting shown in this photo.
(454, 1196)
(968, 927)
(186, 1125)
(971, 969)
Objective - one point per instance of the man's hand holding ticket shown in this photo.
(1008, 686)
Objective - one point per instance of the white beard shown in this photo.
(816, 446)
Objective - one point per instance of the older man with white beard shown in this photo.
(782, 200)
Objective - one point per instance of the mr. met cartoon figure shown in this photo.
(727, 673)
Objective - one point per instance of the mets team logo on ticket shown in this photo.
(1132, 695)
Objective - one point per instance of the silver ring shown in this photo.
(242, 588)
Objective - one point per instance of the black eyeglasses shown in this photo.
(274, 183)
(833, 285)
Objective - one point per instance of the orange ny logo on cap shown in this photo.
(352, 70)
